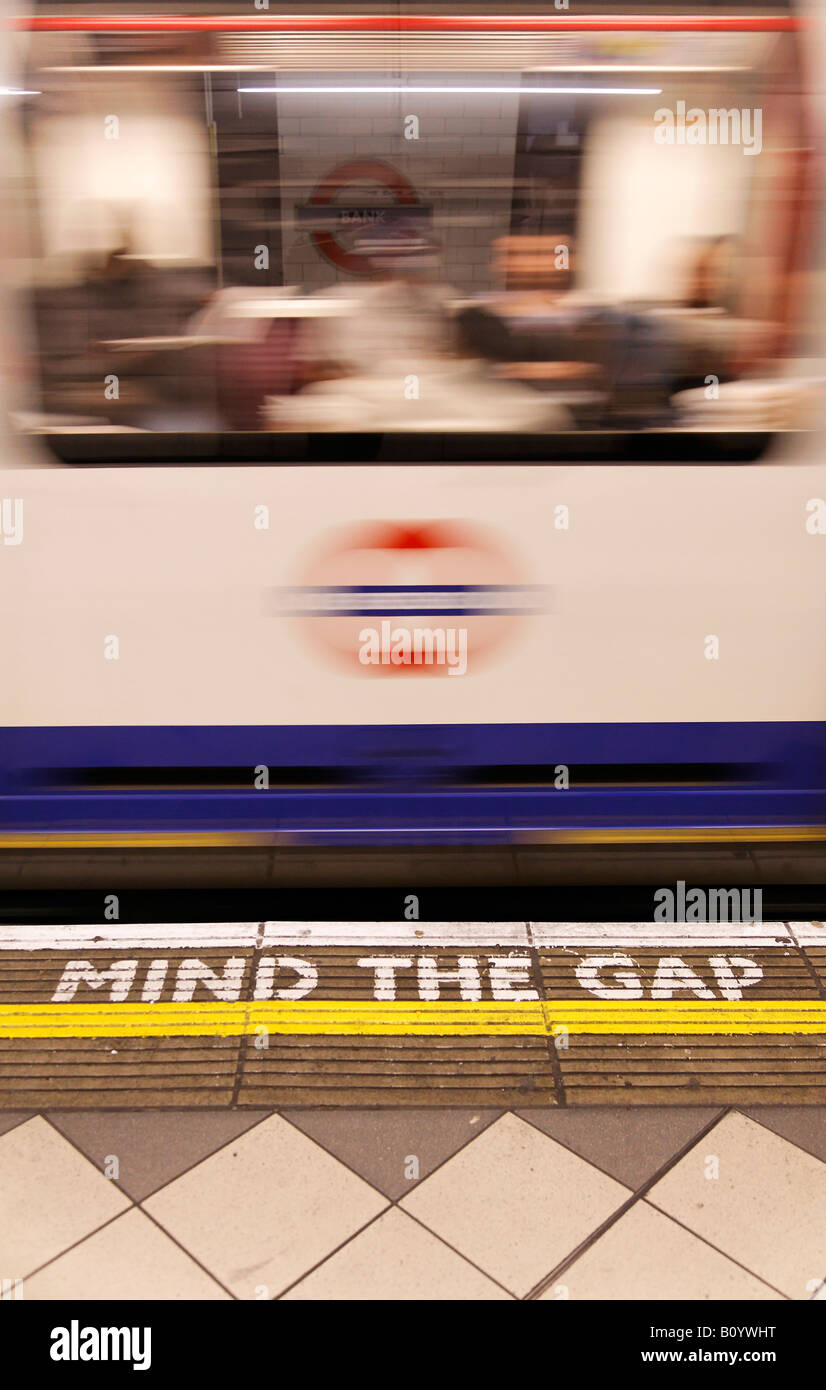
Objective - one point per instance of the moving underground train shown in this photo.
(412, 426)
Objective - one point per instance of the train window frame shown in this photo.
(221, 447)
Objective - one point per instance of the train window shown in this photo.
(410, 236)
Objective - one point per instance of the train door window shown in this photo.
(563, 238)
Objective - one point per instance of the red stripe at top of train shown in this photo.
(410, 24)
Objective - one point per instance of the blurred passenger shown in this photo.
(729, 373)
(526, 323)
(255, 350)
(390, 355)
(707, 335)
(397, 318)
(709, 280)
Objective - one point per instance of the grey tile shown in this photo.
(129, 1258)
(394, 1258)
(757, 1198)
(152, 1146)
(9, 1119)
(50, 1197)
(515, 1202)
(629, 1143)
(392, 1149)
(804, 1125)
(260, 1213)
(646, 1256)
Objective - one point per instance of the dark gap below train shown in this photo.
(468, 883)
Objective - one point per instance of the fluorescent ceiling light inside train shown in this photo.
(17, 92)
(322, 89)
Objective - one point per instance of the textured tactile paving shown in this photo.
(336, 1014)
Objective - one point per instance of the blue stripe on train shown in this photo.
(405, 798)
(796, 744)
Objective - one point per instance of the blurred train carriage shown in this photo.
(407, 347)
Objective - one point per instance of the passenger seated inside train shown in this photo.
(691, 357)
(608, 364)
(392, 355)
(707, 337)
(727, 371)
(119, 312)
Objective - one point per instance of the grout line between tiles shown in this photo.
(636, 1196)
(395, 1200)
(719, 1109)
(753, 1114)
(188, 1253)
(330, 1253)
(190, 1167)
(76, 1243)
(241, 1058)
(810, 966)
(710, 1243)
(133, 1206)
(553, 1052)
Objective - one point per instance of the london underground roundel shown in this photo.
(384, 582)
(357, 172)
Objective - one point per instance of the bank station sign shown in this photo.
(359, 199)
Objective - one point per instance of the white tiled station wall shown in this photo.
(462, 164)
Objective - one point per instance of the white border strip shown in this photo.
(396, 933)
(809, 933)
(654, 934)
(108, 936)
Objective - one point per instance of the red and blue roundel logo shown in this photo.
(373, 582)
(391, 183)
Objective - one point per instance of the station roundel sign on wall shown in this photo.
(356, 171)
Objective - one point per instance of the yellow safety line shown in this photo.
(683, 834)
(358, 1018)
(153, 839)
(159, 839)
